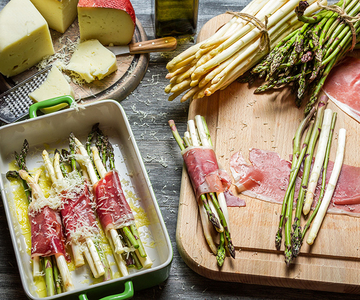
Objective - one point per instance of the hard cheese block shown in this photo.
(24, 37)
(91, 60)
(110, 22)
(55, 85)
(59, 14)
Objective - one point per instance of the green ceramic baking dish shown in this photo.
(52, 131)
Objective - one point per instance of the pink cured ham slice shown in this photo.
(272, 178)
(47, 236)
(203, 170)
(111, 206)
(266, 178)
(232, 200)
(343, 86)
(77, 214)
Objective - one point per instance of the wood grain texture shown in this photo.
(239, 120)
(148, 111)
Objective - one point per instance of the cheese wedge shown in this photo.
(55, 85)
(59, 14)
(91, 60)
(110, 22)
(24, 37)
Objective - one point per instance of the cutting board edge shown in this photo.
(267, 280)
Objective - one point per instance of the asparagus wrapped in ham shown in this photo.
(47, 239)
(209, 183)
(78, 217)
(112, 208)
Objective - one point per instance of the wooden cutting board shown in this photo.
(239, 120)
(117, 86)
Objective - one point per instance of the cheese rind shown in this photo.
(91, 60)
(24, 37)
(59, 14)
(55, 85)
(109, 21)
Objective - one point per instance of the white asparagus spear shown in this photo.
(36, 267)
(56, 174)
(98, 163)
(330, 187)
(60, 259)
(319, 159)
(64, 272)
(48, 166)
(119, 260)
(84, 160)
(276, 9)
(206, 142)
(118, 246)
(101, 170)
(91, 263)
(78, 258)
(205, 225)
(95, 256)
(146, 262)
(36, 260)
(193, 134)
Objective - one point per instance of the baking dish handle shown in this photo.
(48, 103)
(127, 294)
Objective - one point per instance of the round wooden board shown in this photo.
(117, 86)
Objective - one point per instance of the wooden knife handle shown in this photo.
(157, 45)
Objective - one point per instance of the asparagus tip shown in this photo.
(231, 249)
(288, 256)
(296, 240)
(12, 175)
(220, 256)
(278, 239)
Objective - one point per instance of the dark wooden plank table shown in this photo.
(148, 111)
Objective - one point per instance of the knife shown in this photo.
(156, 45)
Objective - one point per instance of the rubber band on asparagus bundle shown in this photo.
(345, 17)
(264, 38)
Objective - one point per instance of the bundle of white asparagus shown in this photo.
(238, 45)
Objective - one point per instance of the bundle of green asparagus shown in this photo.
(216, 62)
(319, 131)
(306, 56)
(202, 166)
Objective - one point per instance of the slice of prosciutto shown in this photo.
(47, 236)
(203, 170)
(267, 178)
(111, 206)
(343, 86)
(205, 174)
(77, 214)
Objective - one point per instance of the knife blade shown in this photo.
(156, 45)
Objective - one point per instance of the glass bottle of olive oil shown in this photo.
(175, 17)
